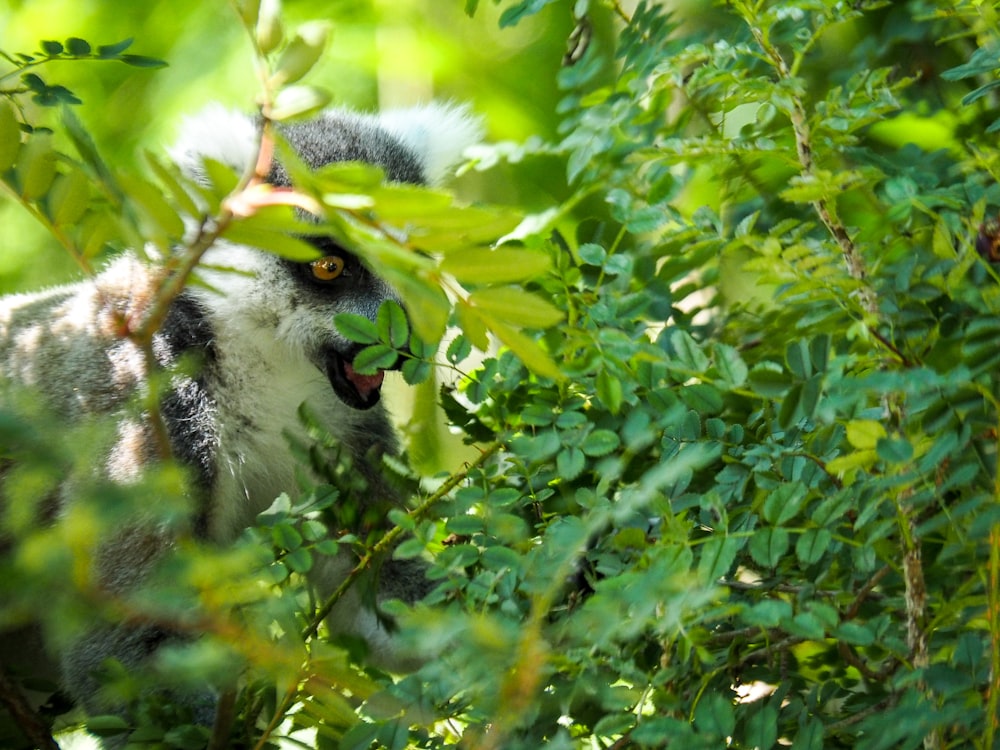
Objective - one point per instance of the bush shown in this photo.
(739, 477)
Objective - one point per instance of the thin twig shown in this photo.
(390, 539)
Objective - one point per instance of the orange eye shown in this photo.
(328, 268)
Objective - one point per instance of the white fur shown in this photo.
(218, 133)
(437, 133)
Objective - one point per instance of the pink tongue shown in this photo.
(366, 384)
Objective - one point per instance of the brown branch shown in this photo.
(865, 591)
(225, 715)
(26, 718)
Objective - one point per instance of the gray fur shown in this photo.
(260, 343)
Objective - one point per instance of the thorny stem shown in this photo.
(913, 573)
(390, 539)
(993, 619)
(179, 270)
(803, 147)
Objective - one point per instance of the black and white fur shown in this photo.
(263, 342)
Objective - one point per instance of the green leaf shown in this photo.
(784, 503)
(809, 736)
(473, 325)
(687, 353)
(86, 148)
(393, 327)
(285, 536)
(731, 367)
(416, 371)
(516, 13)
(855, 633)
(426, 302)
(500, 266)
(113, 51)
(222, 177)
(812, 545)
(714, 716)
(373, 358)
(302, 52)
(515, 306)
(36, 167)
(570, 463)
(69, 197)
(299, 560)
(459, 348)
(894, 450)
(249, 232)
(798, 359)
(299, 102)
(142, 61)
(152, 201)
(865, 434)
(769, 380)
(768, 546)
(717, 556)
(983, 60)
(609, 390)
(52, 48)
(762, 727)
(356, 328)
(600, 443)
(268, 28)
(10, 135)
(78, 47)
(177, 192)
(534, 357)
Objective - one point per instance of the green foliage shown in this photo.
(74, 48)
(738, 482)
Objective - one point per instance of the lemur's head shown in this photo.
(295, 303)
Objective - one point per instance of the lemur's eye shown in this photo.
(328, 268)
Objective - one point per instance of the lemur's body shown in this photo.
(261, 341)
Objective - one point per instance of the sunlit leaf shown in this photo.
(10, 136)
(503, 265)
(516, 306)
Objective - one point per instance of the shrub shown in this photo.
(738, 482)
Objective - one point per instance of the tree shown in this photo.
(738, 475)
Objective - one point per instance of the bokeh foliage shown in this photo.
(744, 492)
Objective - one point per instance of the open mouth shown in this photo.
(354, 389)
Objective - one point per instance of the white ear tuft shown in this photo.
(215, 133)
(437, 134)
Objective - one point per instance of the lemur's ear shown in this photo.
(437, 134)
(217, 133)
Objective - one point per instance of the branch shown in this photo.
(803, 148)
(390, 539)
(26, 718)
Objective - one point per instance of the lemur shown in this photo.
(262, 334)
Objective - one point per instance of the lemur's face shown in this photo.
(341, 281)
(275, 302)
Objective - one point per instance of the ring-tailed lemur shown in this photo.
(263, 336)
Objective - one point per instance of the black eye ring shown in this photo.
(328, 268)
